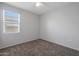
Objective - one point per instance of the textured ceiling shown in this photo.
(46, 7)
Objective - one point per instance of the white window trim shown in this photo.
(4, 23)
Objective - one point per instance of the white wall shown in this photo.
(29, 28)
(61, 26)
(0, 26)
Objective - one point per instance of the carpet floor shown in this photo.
(38, 48)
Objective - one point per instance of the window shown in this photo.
(11, 22)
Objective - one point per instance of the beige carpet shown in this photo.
(38, 48)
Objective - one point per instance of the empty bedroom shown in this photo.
(39, 28)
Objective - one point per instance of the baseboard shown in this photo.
(38, 39)
(2, 47)
(61, 45)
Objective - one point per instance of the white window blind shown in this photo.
(11, 21)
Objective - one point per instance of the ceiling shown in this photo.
(46, 6)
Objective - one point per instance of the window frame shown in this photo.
(4, 30)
